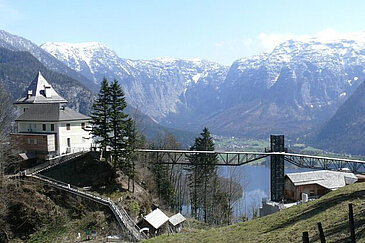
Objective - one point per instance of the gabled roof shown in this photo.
(50, 113)
(40, 91)
(326, 178)
(177, 219)
(156, 218)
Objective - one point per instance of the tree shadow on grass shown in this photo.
(319, 207)
(334, 234)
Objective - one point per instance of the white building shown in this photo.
(46, 127)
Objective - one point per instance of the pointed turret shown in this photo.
(40, 92)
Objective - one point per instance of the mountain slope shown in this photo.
(345, 131)
(296, 87)
(17, 43)
(19, 68)
(291, 90)
(288, 224)
(159, 88)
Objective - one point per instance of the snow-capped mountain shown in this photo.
(91, 59)
(17, 43)
(290, 90)
(295, 87)
(159, 87)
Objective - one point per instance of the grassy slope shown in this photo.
(288, 225)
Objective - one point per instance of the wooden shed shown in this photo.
(155, 222)
(176, 222)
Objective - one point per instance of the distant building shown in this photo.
(46, 127)
(315, 183)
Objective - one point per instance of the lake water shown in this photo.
(255, 181)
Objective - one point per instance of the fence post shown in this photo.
(321, 234)
(305, 237)
(352, 225)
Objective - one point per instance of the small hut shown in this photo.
(176, 222)
(155, 222)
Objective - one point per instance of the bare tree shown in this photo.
(233, 189)
(6, 112)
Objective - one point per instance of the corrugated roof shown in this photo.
(177, 219)
(37, 93)
(326, 178)
(50, 112)
(156, 218)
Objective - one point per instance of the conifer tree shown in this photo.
(118, 124)
(201, 174)
(100, 116)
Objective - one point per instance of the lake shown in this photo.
(255, 181)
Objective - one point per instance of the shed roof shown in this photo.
(37, 93)
(156, 218)
(177, 219)
(50, 112)
(326, 178)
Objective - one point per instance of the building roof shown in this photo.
(156, 218)
(50, 113)
(326, 178)
(177, 219)
(41, 92)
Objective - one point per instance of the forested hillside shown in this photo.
(19, 68)
(345, 132)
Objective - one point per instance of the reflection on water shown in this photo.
(255, 182)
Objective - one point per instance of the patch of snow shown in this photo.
(196, 77)
(343, 94)
(356, 78)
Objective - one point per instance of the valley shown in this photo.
(182, 121)
(294, 90)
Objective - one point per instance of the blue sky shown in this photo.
(221, 31)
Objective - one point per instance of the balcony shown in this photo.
(35, 142)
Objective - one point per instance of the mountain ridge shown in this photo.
(18, 43)
(293, 89)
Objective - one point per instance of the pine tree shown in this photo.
(118, 124)
(100, 116)
(201, 174)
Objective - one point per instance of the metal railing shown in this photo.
(53, 162)
(121, 215)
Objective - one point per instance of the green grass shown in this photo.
(287, 225)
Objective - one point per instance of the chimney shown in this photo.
(29, 94)
(47, 91)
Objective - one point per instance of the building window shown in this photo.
(28, 140)
(69, 142)
(83, 125)
(35, 141)
(52, 127)
(68, 126)
(44, 127)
